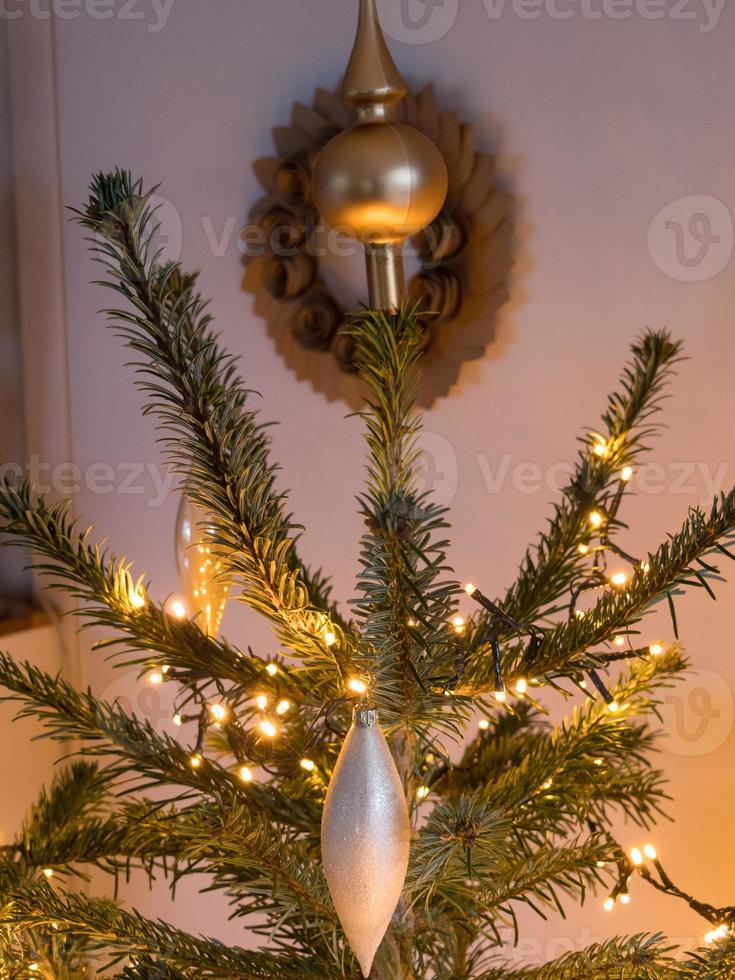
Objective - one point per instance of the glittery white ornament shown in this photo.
(204, 587)
(366, 836)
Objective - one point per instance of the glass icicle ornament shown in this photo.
(205, 589)
(366, 836)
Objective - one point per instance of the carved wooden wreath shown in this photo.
(465, 255)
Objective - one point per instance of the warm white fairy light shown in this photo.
(410, 623)
(177, 609)
(609, 904)
(283, 706)
(218, 711)
(600, 448)
(271, 669)
(268, 729)
(656, 649)
(155, 677)
(356, 685)
(583, 549)
(245, 774)
(48, 872)
(458, 624)
(422, 792)
(598, 762)
(636, 856)
(483, 725)
(619, 579)
(307, 765)
(619, 641)
(596, 519)
(330, 638)
(650, 851)
(261, 702)
(470, 589)
(613, 707)
(625, 899)
(714, 935)
(645, 567)
(501, 697)
(583, 685)
(521, 685)
(626, 473)
(195, 760)
(548, 784)
(177, 720)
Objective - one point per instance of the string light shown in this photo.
(619, 641)
(177, 720)
(583, 549)
(626, 473)
(218, 711)
(521, 685)
(282, 707)
(645, 567)
(356, 685)
(155, 677)
(650, 851)
(48, 872)
(34, 967)
(501, 697)
(656, 649)
(195, 760)
(619, 579)
(721, 932)
(609, 904)
(600, 448)
(271, 669)
(261, 702)
(458, 624)
(599, 762)
(484, 725)
(177, 609)
(596, 518)
(625, 899)
(470, 589)
(330, 638)
(307, 765)
(548, 784)
(636, 857)
(245, 774)
(422, 792)
(613, 707)
(410, 622)
(268, 728)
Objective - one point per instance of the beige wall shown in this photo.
(599, 124)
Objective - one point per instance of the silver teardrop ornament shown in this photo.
(366, 836)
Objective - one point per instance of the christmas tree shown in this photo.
(522, 815)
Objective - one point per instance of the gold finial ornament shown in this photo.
(380, 181)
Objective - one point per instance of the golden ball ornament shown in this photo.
(380, 182)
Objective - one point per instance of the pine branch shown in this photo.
(405, 602)
(637, 958)
(123, 934)
(217, 445)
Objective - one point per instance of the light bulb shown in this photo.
(48, 872)
(245, 774)
(282, 707)
(596, 518)
(609, 904)
(613, 707)
(636, 857)
(177, 720)
(650, 851)
(619, 641)
(218, 711)
(484, 725)
(600, 448)
(307, 764)
(271, 669)
(599, 762)
(470, 589)
(195, 761)
(656, 649)
(619, 579)
(177, 609)
(583, 549)
(501, 697)
(356, 685)
(521, 685)
(261, 702)
(410, 623)
(268, 728)
(548, 784)
(422, 792)
(329, 638)
(155, 677)
(626, 473)
(625, 898)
